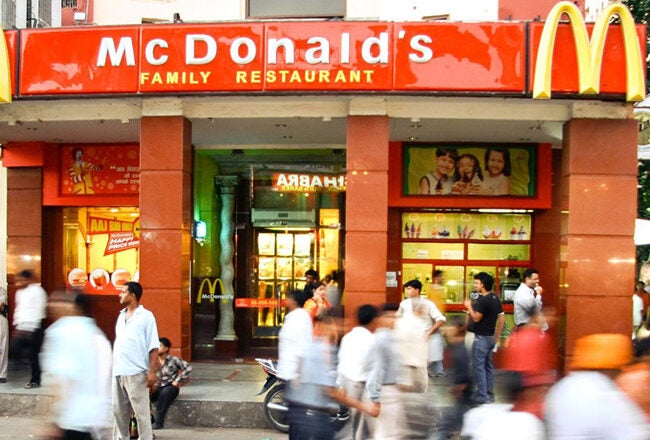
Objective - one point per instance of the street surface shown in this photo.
(19, 428)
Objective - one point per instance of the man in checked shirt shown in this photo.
(174, 373)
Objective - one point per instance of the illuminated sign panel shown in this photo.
(623, 59)
(322, 56)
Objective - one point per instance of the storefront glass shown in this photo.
(462, 244)
(100, 247)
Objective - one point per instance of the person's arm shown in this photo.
(473, 314)
(183, 372)
(501, 319)
(153, 367)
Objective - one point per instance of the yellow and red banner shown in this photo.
(325, 56)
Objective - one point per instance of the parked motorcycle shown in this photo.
(275, 403)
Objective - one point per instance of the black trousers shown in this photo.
(305, 424)
(69, 434)
(28, 345)
(163, 397)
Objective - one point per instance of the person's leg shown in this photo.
(4, 346)
(489, 373)
(35, 349)
(480, 350)
(136, 387)
(166, 396)
(121, 410)
(69, 434)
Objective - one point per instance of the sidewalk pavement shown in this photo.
(219, 395)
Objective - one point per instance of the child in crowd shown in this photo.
(438, 181)
(468, 176)
(498, 167)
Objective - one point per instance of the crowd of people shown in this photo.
(375, 369)
(100, 392)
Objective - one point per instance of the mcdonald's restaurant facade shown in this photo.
(216, 163)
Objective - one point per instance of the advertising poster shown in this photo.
(454, 170)
(112, 169)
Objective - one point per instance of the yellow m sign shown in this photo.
(5, 71)
(590, 52)
(212, 294)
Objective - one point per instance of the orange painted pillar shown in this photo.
(366, 213)
(165, 225)
(597, 257)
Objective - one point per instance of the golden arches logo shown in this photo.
(5, 70)
(212, 290)
(589, 52)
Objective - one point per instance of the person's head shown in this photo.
(165, 345)
(25, 276)
(438, 276)
(296, 299)
(483, 282)
(455, 329)
(366, 314)
(531, 278)
(412, 288)
(497, 161)
(68, 303)
(318, 289)
(604, 352)
(446, 159)
(387, 315)
(640, 287)
(131, 292)
(311, 276)
(468, 167)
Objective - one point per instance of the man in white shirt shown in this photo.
(135, 362)
(353, 369)
(527, 298)
(76, 360)
(4, 334)
(295, 336)
(31, 304)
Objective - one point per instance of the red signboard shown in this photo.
(302, 56)
(113, 169)
(259, 302)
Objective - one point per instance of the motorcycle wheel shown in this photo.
(278, 418)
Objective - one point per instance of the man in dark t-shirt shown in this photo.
(487, 317)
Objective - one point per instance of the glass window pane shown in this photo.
(480, 251)
(433, 251)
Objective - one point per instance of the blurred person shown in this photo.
(317, 304)
(642, 292)
(332, 292)
(135, 363)
(295, 336)
(28, 320)
(530, 363)
(353, 369)
(587, 404)
(311, 277)
(634, 379)
(528, 298)
(174, 373)
(76, 361)
(637, 314)
(487, 318)
(437, 295)
(419, 320)
(4, 334)
(381, 385)
(504, 421)
(460, 380)
(312, 394)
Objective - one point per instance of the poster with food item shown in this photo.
(120, 277)
(303, 244)
(77, 278)
(267, 267)
(285, 244)
(99, 278)
(284, 268)
(266, 244)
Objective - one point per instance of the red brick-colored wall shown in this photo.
(366, 213)
(165, 221)
(598, 199)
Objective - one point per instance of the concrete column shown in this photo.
(226, 186)
(165, 222)
(366, 213)
(597, 254)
